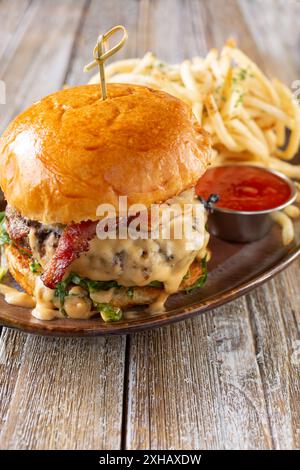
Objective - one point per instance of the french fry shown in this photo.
(294, 140)
(253, 127)
(249, 140)
(242, 59)
(271, 139)
(189, 81)
(292, 211)
(218, 125)
(270, 110)
(197, 110)
(246, 114)
(146, 62)
(280, 134)
(286, 224)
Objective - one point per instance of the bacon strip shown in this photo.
(73, 241)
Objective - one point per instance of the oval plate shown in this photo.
(234, 270)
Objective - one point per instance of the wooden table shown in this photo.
(227, 379)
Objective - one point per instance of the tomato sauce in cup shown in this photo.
(247, 197)
(244, 188)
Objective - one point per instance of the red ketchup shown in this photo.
(244, 188)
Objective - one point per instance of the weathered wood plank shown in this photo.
(275, 312)
(196, 385)
(98, 18)
(12, 21)
(11, 352)
(68, 394)
(54, 393)
(275, 315)
(275, 26)
(165, 36)
(229, 379)
(199, 384)
(40, 56)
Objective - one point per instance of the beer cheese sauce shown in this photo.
(14, 297)
(129, 262)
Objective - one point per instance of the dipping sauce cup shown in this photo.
(251, 193)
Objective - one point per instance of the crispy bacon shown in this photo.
(16, 225)
(73, 241)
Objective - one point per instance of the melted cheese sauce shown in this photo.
(139, 262)
(45, 308)
(129, 262)
(14, 297)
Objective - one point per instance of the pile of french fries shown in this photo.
(252, 119)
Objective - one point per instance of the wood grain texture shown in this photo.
(232, 403)
(228, 379)
(279, 52)
(276, 331)
(39, 53)
(54, 394)
(68, 393)
(99, 17)
(196, 385)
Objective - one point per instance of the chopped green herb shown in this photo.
(108, 312)
(243, 74)
(101, 285)
(61, 292)
(130, 292)
(160, 64)
(35, 267)
(89, 284)
(62, 288)
(4, 237)
(155, 284)
(240, 76)
(74, 279)
(202, 279)
(239, 100)
(3, 272)
(92, 286)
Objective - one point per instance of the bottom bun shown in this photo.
(19, 262)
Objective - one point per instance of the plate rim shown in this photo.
(184, 313)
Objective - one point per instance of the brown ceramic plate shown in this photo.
(234, 270)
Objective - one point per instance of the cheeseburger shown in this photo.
(71, 153)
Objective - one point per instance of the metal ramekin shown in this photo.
(246, 226)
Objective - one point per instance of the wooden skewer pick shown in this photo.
(102, 53)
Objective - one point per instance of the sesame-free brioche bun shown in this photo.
(70, 152)
(18, 265)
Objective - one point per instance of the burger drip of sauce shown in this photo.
(244, 188)
(76, 305)
(132, 262)
(14, 297)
